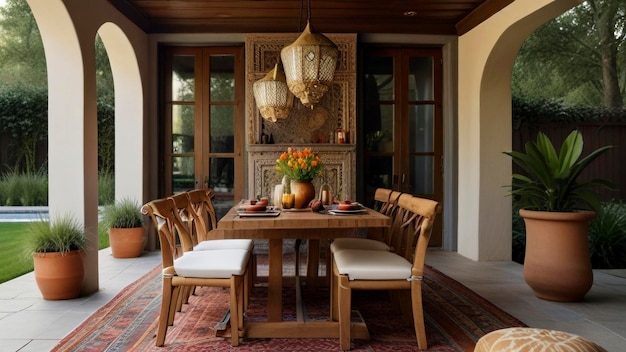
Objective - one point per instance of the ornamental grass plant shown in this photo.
(125, 213)
(62, 234)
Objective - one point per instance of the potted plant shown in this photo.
(56, 247)
(124, 222)
(556, 209)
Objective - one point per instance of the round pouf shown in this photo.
(530, 340)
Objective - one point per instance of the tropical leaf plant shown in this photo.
(550, 179)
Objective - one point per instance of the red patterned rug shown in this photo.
(455, 317)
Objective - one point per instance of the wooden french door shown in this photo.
(401, 123)
(203, 89)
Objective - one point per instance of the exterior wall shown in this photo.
(68, 29)
(486, 56)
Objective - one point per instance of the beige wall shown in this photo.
(486, 56)
(68, 29)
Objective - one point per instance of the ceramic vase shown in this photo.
(557, 265)
(127, 242)
(304, 192)
(59, 275)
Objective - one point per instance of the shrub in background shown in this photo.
(30, 189)
(519, 236)
(106, 188)
(607, 237)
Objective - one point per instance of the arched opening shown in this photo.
(128, 112)
(72, 129)
(487, 54)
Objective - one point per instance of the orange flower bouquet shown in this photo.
(301, 166)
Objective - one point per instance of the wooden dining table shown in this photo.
(303, 225)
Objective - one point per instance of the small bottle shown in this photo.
(341, 136)
(326, 196)
(288, 199)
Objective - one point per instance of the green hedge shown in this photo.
(533, 112)
(24, 124)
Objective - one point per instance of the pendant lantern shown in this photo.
(310, 64)
(272, 95)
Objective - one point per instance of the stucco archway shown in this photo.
(486, 57)
(68, 33)
(72, 126)
(128, 113)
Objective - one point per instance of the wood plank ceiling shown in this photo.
(442, 17)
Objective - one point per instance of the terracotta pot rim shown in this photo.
(581, 215)
(57, 254)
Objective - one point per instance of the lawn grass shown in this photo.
(14, 260)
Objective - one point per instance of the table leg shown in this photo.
(313, 259)
(275, 281)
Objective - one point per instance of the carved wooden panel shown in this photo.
(314, 128)
(337, 109)
(339, 162)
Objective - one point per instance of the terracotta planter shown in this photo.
(59, 276)
(557, 265)
(304, 193)
(127, 242)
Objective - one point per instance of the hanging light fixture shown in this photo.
(310, 64)
(272, 95)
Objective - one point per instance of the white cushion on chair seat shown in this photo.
(360, 264)
(223, 244)
(340, 244)
(218, 264)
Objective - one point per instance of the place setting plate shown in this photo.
(358, 209)
(265, 213)
(269, 211)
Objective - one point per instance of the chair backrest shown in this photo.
(170, 229)
(386, 202)
(418, 217)
(186, 213)
(205, 218)
(397, 235)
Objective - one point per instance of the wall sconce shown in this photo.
(310, 64)
(272, 95)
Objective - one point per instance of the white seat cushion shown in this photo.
(223, 244)
(218, 264)
(360, 264)
(357, 243)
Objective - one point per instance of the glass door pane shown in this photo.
(220, 130)
(203, 114)
(182, 117)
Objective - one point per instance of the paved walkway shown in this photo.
(29, 323)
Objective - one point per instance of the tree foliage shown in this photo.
(24, 118)
(23, 90)
(22, 58)
(577, 58)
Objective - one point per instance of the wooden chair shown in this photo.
(196, 206)
(359, 269)
(204, 224)
(385, 202)
(217, 268)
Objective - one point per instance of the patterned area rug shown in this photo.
(455, 317)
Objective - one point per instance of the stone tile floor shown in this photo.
(29, 323)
